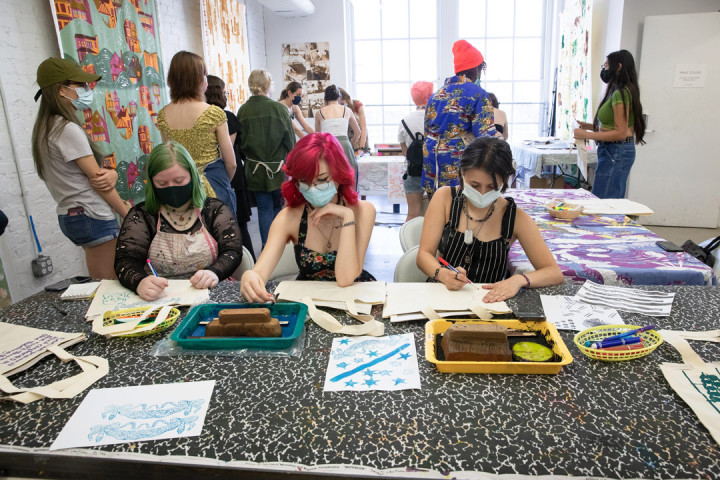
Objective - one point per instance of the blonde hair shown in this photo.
(259, 82)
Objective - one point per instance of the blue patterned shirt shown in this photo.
(460, 107)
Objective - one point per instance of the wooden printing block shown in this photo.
(244, 329)
(476, 343)
(244, 315)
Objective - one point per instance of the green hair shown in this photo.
(163, 157)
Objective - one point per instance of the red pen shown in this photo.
(447, 265)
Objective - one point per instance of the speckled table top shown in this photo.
(616, 420)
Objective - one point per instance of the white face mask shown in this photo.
(480, 200)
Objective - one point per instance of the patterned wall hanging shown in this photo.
(225, 47)
(119, 40)
(574, 88)
(308, 64)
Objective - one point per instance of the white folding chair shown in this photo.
(247, 264)
(286, 266)
(410, 233)
(715, 253)
(407, 270)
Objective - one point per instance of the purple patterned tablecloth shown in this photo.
(607, 249)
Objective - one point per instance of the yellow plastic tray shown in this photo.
(547, 329)
(135, 313)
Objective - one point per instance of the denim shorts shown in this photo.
(412, 184)
(87, 232)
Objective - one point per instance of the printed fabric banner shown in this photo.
(118, 39)
(574, 87)
(226, 48)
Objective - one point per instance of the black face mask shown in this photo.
(297, 100)
(605, 75)
(175, 196)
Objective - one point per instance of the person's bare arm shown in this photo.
(90, 167)
(301, 120)
(226, 150)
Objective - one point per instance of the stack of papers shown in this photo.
(80, 291)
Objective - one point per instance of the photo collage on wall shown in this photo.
(118, 40)
(308, 64)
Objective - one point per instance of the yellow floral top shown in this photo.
(200, 140)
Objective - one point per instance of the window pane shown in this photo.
(369, 93)
(367, 61)
(502, 90)
(423, 18)
(471, 18)
(366, 15)
(523, 131)
(499, 59)
(393, 115)
(500, 19)
(375, 134)
(523, 112)
(528, 53)
(396, 64)
(373, 114)
(394, 18)
(528, 20)
(390, 134)
(397, 94)
(423, 60)
(528, 91)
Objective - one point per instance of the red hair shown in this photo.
(420, 92)
(303, 165)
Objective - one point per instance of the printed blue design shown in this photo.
(364, 366)
(142, 411)
(133, 431)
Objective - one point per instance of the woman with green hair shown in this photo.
(178, 231)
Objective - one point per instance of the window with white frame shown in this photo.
(395, 43)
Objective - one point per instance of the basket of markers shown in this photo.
(615, 343)
(558, 208)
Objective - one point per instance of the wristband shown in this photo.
(346, 224)
(437, 270)
(526, 280)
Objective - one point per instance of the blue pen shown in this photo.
(447, 265)
(616, 343)
(151, 267)
(623, 335)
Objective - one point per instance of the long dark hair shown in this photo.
(291, 87)
(214, 94)
(626, 81)
(491, 154)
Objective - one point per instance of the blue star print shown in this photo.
(370, 382)
(342, 365)
(372, 354)
(399, 380)
(350, 383)
(404, 356)
(370, 373)
(345, 341)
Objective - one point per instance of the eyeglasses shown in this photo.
(320, 185)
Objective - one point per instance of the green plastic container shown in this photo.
(291, 312)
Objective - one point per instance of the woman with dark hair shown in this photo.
(216, 95)
(69, 164)
(329, 226)
(334, 118)
(361, 143)
(501, 123)
(200, 127)
(618, 125)
(474, 227)
(184, 233)
(291, 97)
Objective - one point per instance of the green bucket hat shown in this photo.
(56, 70)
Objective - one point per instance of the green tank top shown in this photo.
(606, 117)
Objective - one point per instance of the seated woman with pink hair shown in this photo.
(329, 226)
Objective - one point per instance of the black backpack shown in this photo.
(414, 154)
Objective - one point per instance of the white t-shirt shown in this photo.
(415, 122)
(68, 184)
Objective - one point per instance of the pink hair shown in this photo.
(420, 92)
(302, 165)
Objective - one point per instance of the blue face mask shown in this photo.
(297, 100)
(319, 197)
(480, 200)
(84, 100)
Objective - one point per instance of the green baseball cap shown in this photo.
(56, 70)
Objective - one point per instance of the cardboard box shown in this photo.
(530, 181)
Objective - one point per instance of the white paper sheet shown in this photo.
(612, 206)
(645, 302)
(131, 414)
(373, 363)
(80, 291)
(568, 313)
(111, 295)
(412, 297)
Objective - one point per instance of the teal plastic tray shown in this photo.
(291, 312)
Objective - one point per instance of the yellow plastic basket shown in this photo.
(651, 340)
(130, 314)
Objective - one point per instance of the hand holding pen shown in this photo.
(452, 281)
(152, 287)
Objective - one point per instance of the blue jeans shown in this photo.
(268, 205)
(86, 231)
(614, 163)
